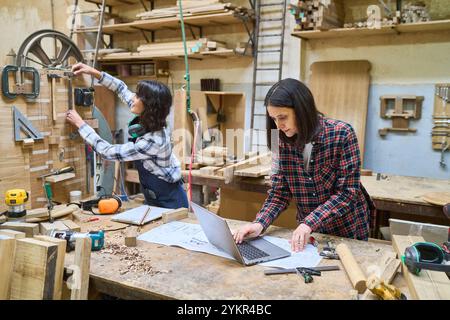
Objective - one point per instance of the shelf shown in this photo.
(136, 56)
(222, 93)
(115, 2)
(218, 19)
(440, 25)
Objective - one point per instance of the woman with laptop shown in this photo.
(317, 164)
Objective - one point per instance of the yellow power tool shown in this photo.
(15, 200)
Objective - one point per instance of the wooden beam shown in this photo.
(7, 249)
(428, 285)
(131, 234)
(173, 215)
(47, 227)
(34, 269)
(82, 261)
(30, 229)
(59, 272)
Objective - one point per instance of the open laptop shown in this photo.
(248, 252)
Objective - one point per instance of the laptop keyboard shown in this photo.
(250, 252)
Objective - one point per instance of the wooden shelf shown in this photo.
(216, 19)
(115, 2)
(223, 93)
(440, 25)
(135, 56)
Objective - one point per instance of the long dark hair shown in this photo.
(157, 101)
(291, 93)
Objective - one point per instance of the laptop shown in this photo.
(249, 252)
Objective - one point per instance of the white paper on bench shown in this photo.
(135, 215)
(190, 236)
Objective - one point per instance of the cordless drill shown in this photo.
(97, 238)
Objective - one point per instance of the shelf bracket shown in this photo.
(251, 34)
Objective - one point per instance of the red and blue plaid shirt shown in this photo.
(329, 195)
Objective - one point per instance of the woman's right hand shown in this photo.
(251, 230)
(81, 68)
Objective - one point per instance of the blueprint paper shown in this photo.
(191, 236)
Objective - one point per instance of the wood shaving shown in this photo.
(131, 258)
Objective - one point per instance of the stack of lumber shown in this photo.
(177, 48)
(191, 8)
(318, 15)
(212, 156)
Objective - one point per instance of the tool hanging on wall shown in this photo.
(400, 109)
(22, 124)
(20, 87)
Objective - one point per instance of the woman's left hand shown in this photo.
(74, 118)
(300, 237)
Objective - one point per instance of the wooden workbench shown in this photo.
(183, 274)
(394, 196)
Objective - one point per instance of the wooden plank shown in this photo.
(177, 214)
(71, 225)
(437, 198)
(34, 270)
(30, 229)
(12, 233)
(7, 249)
(254, 172)
(428, 285)
(341, 91)
(59, 272)
(46, 227)
(60, 177)
(430, 232)
(82, 261)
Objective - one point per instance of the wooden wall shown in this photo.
(20, 167)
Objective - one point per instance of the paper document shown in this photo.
(134, 216)
(190, 236)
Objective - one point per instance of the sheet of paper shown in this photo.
(135, 215)
(186, 235)
(190, 236)
(309, 257)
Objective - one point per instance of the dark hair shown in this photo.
(291, 93)
(157, 101)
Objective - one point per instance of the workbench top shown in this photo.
(177, 273)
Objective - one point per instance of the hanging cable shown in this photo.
(194, 116)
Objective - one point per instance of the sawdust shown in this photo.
(131, 258)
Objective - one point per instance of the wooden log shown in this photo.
(30, 229)
(7, 249)
(59, 273)
(34, 270)
(354, 272)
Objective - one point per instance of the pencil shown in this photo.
(145, 216)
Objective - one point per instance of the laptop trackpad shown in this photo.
(268, 247)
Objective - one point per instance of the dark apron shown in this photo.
(160, 193)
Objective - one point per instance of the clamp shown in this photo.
(20, 86)
(329, 252)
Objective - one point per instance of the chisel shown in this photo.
(294, 270)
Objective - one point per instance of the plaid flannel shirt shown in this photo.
(154, 148)
(329, 196)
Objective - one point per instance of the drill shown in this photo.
(97, 238)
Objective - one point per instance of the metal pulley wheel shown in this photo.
(35, 49)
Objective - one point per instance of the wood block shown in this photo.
(47, 227)
(82, 260)
(61, 254)
(176, 214)
(71, 225)
(13, 233)
(33, 276)
(130, 236)
(60, 177)
(30, 229)
(27, 143)
(7, 249)
(428, 285)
